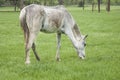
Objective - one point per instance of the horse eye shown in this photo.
(84, 44)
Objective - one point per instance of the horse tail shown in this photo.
(24, 25)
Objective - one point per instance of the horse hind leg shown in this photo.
(29, 45)
(26, 38)
(34, 50)
(34, 29)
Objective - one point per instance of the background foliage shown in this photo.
(55, 2)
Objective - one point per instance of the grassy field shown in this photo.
(102, 52)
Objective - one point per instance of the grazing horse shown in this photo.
(35, 18)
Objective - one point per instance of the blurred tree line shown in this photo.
(56, 2)
(80, 3)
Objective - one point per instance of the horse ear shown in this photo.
(85, 36)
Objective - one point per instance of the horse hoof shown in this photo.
(27, 62)
(82, 58)
(58, 59)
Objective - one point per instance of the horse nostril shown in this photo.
(84, 56)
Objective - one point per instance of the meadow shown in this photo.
(102, 51)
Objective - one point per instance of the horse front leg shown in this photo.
(58, 47)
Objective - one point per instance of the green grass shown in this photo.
(8, 9)
(102, 52)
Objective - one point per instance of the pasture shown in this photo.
(102, 51)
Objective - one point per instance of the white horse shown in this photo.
(35, 18)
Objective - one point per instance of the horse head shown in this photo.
(81, 47)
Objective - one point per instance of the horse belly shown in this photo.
(49, 29)
(52, 22)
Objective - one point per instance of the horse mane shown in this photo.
(76, 29)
